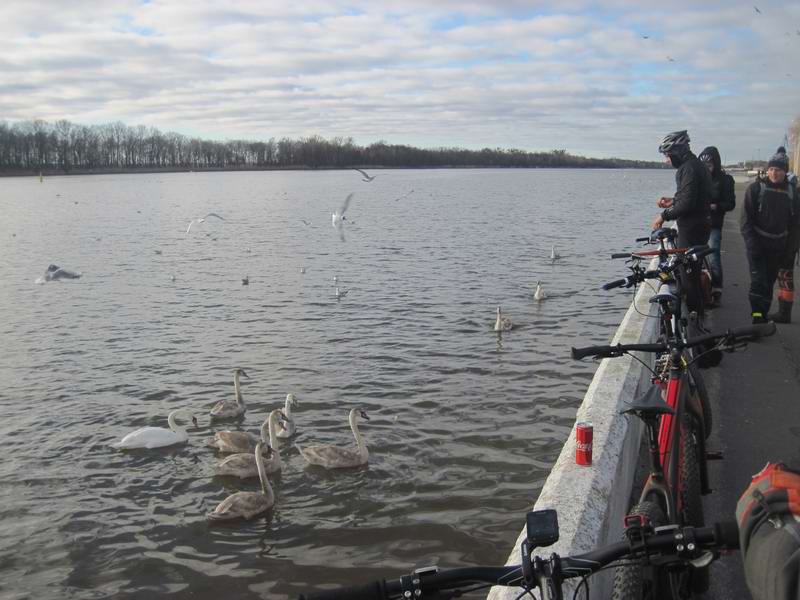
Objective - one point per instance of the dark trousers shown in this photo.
(695, 234)
(763, 273)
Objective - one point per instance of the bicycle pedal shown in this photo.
(714, 455)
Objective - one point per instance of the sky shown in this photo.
(595, 79)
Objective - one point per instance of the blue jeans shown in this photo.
(714, 259)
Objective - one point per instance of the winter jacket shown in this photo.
(770, 220)
(690, 207)
(723, 196)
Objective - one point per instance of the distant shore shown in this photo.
(145, 170)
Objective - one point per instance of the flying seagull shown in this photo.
(366, 177)
(645, 37)
(338, 218)
(756, 9)
(202, 220)
(670, 59)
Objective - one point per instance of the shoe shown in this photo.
(784, 314)
(759, 320)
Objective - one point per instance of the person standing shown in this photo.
(690, 207)
(786, 267)
(723, 199)
(770, 225)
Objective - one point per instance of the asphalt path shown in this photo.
(755, 397)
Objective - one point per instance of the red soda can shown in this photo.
(583, 443)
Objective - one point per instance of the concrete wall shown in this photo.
(591, 501)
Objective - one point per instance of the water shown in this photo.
(463, 425)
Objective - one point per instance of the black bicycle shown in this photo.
(668, 547)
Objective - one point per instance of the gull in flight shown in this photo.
(366, 177)
(306, 223)
(202, 220)
(338, 218)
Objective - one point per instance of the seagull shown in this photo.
(756, 9)
(340, 293)
(306, 223)
(246, 280)
(335, 279)
(202, 220)
(554, 256)
(406, 195)
(158, 251)
(338, 218)
(366, 177)
(302, 270)
(670, 59)
(539, 294)
(645, 37)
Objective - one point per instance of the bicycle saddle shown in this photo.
(649, 404)
(664, 233)
(664, 295)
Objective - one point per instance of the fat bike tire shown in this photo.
(695, 579)
(639, 580)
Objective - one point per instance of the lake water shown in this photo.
(463, 427)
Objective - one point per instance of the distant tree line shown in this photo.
(39, 146)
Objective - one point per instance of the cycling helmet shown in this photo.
(675, 142)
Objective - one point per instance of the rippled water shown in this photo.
(464, 426)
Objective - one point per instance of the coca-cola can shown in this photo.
(583, 443)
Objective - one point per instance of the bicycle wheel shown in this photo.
(699, 387)
(639, 579)
(690, 495)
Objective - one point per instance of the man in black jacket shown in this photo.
(723, 199)
(690, 206)
(770, 225)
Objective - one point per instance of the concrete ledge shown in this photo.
(591, 501)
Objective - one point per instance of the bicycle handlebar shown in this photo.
(741, 334)
(719, 536)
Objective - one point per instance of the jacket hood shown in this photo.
(713, 153)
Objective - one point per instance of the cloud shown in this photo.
(513, 73)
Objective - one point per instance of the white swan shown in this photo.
(229, 409)
(539, 294)
(336, 457)
(502, 323)
(287, 427)
(238, 441)
(154, 437)
(244, 465)
(246, 505)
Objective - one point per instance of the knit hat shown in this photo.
(780, 161)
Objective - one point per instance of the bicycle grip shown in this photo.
(615, 284)
(754, 331)
(601, 351)
(375, 590)
(727, 533)
(621, 255)
(643, 239)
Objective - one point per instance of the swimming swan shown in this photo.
(539, 294)
(229, 409)
(287, 427)
(246, 505)
(154, 437)
(238, 441)
(502, 323)
(244, 465)
(336, 457)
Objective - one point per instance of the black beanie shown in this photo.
(780, 150)
(780, 161)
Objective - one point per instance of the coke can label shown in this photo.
(583, 443)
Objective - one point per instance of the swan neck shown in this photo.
(262, 475)
(237, 389)
(173, 425)
(357, 434)
(287, 409)
(273, 429)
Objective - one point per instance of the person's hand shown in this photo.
(714, 207)
(664, 202)
(657, 223)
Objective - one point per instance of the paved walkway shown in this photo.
(756, 401)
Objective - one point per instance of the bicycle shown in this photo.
(676, 454)
(668, 547)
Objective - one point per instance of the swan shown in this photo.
(287, 426)
(229, 409)
(154, 437)
(539, 294)
(238, 441)
(502, 323)
(243, 465)
(246, 505)
(336, 457)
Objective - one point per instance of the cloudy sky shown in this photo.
(599, 79)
